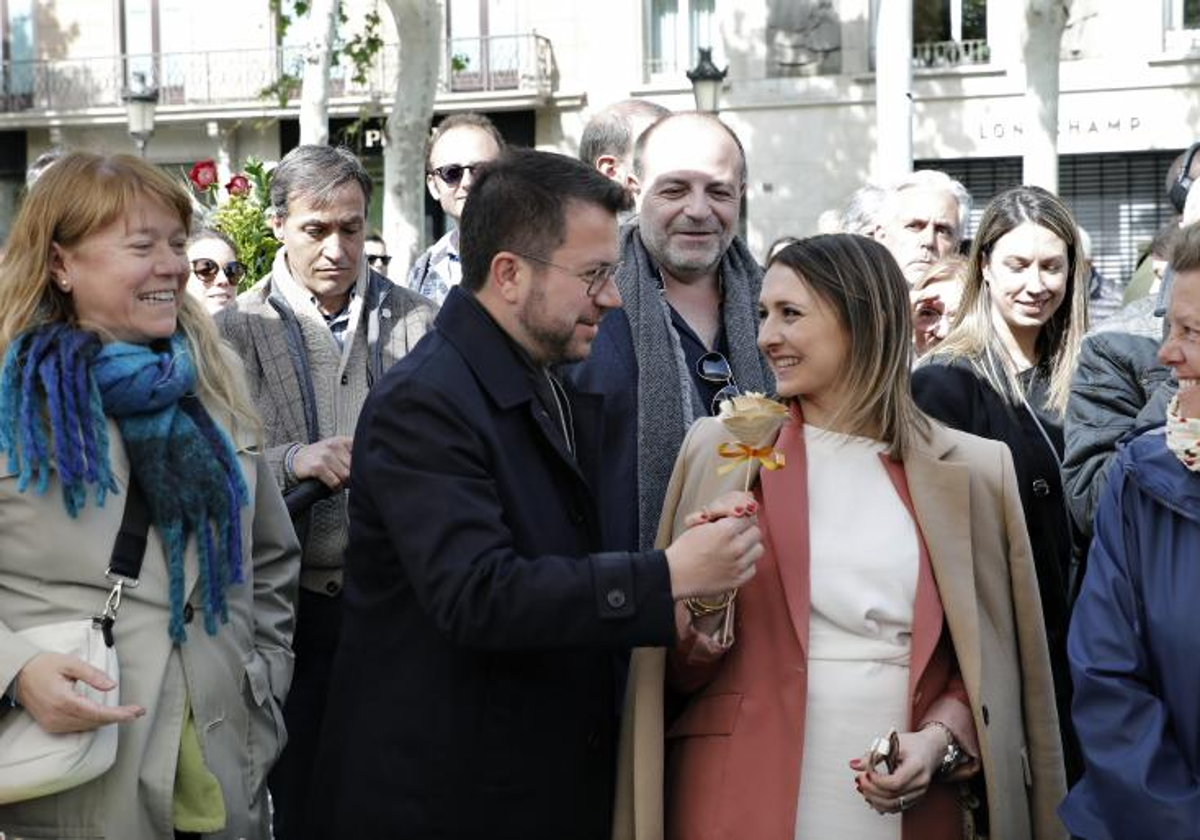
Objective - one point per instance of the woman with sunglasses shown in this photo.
(216, 271)
(896, 594)
(1004, 373)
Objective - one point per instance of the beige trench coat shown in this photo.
(965, 496)
(52, 569)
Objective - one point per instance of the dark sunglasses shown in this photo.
(207, 269)
(452, 173)
(380, 259)
(713, 367)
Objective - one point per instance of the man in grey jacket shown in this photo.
(315, 334)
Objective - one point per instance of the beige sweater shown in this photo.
(340, 381)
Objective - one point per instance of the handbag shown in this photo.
(34, 762)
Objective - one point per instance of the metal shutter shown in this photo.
(1119, 198)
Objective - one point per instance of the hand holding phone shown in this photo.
(885, 751)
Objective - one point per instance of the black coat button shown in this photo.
(332, 587)
(189, 612)
(615, 598)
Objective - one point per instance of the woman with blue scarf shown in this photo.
(112, 375)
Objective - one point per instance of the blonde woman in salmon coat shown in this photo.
(897, 591)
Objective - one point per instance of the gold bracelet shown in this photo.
(701, 607)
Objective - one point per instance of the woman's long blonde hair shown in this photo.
(973, 336)
(79, 195)
(860, 281)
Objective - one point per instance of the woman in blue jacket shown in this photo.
(1133, 643)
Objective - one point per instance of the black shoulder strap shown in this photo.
(130, 546)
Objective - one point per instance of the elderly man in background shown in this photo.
(609, 137)
(456, 149)
(315, 334)
(922, 218)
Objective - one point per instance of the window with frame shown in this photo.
(949, 20)
(19, 48)
(1181, 26)
(675, 31)
(1183, 14)
(948, 33)
(484, 45)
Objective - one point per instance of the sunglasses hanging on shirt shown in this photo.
(714, 367)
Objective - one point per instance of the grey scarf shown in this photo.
(667, 400)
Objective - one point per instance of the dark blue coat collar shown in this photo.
(487, 350)
(1155, 469)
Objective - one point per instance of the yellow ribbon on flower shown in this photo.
(740, 453)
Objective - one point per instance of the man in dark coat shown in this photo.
(473, 692)
(687, 335)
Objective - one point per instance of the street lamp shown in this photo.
(706, 82)
(140, 107)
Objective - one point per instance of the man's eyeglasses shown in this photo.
(452, 173)
(378, 259)
(713, 367)
(207, 269)
(594, 277)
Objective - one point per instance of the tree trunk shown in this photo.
(314, 91)
(1041, 43)
(893, 90)
(419, 25)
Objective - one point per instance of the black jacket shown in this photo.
(1119, 387)
(473, 691)
(955, 395)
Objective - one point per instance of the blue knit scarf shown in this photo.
(56, 387)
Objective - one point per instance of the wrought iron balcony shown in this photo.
(931, 54)
(237, 78)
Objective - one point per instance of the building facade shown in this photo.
(800, 90)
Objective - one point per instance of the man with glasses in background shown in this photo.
(472, 695)
(377, 254)
(315, 335)
(686, 337)
(456, 148)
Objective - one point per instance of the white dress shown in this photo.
(863, 555)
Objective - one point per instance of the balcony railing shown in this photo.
(1181, 41)
(498, 63)
(931, 54)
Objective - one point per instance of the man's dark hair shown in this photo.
(315, 172)
(609, 131)
(468, 119)
(639, 148)
(375, 236)
(520, 201)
